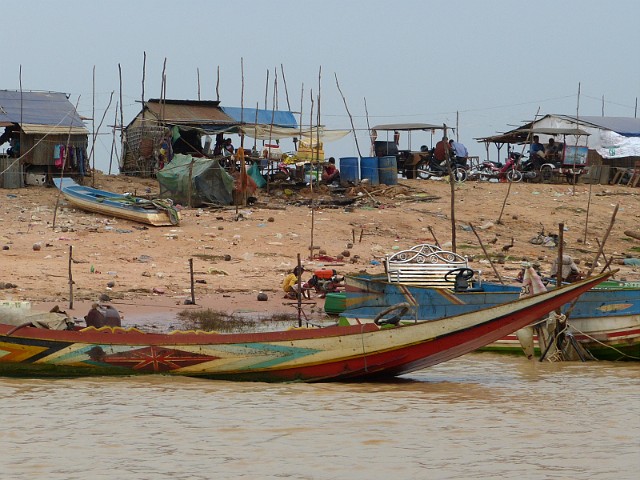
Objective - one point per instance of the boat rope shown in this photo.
(605, 345)
(557, 355)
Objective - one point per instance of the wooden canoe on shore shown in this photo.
(353, 352)
(153, 212)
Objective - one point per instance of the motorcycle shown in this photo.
(430, 167)
(510, 171)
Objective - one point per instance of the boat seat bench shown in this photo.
(424, 265)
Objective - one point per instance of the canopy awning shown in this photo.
(33, 129)
(523, 135)
(308, 135)
(405, 127)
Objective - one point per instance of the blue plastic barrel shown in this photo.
(349, 169)
(369, 170)
(388, 170)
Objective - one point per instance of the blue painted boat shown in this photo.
(605, 320)
(153, 212)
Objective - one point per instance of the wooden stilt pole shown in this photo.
(193, 292)
(299, 292)
(486, 254)
(353, 128)
(198, 74)
(70, 278)
(218, 84)
(433, 234)
(452, 182)
(286, 91)
(113, 139)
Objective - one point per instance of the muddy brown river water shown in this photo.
(480, 416)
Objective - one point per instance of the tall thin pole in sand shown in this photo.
(452, 182)
(499, 221)
(93, 127)
(353, 128)
(70, 278)
(218, 84)
(286, 90)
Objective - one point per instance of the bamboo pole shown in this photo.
(121, 112)
(255, 134)
(595, 260)
(586, 221)
(266, 90)
(353, 128)
(275, 79)
(604, 240)
(433, 234)
(70, 278)
(286, 91)
(299, 292)
(273, 116)
(92, 155)
(144, 74)
(499, 221)
(366, 114)
(573, 170)
(311, 175)
(243, 165)
(301, 108)
(64, 161)
(198, 74)
(218, 84)
(452, 187)
(318, 123)
(193, 293)
(311, 137)
(104, 114)
(163, 90)
(559, 278)
(608, 260)
(486, 254)
(93, 128)
(113, 139)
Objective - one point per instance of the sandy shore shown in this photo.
(238, 253)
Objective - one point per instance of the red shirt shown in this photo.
(440, 153)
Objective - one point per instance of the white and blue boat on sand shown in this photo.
(158, 212)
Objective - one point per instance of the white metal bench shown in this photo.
(424, 265)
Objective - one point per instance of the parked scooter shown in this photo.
(510, 171)
(430, 167)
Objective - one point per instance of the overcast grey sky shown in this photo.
(495, 62)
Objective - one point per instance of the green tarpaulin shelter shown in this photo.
(195, 181)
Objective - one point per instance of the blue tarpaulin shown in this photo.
(265, 117)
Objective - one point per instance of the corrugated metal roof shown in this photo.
(189, 112)
(626, 126)
(38, 108)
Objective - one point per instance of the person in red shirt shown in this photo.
(441, 150)
(330, 172)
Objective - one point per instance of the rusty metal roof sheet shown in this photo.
(189, 112)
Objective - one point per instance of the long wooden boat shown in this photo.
(605, 320)
(158, 212)
(298, 354)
